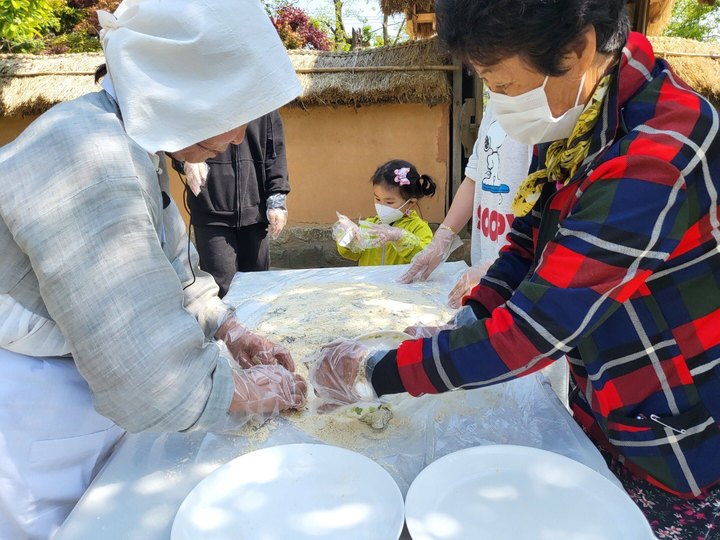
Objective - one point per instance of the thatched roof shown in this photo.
(409, 73)
(30, 84)
(696, 62)
(389, 7)
(414, 72)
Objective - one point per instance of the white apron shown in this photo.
(52, 443)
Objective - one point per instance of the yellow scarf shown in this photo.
(564, 156)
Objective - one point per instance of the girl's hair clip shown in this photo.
(401, 176)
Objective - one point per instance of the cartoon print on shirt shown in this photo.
(494, 139)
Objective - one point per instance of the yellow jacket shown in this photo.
(391, 253)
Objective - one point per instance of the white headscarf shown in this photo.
(187, 70)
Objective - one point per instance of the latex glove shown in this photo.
(424, 263)
(249, 349)
(262, 392)
(338, 375)
(277, 214)
(347, 234)
(467, 282)
(196, 174)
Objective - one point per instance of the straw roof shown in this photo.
(415, 72)
(390, 7)
(696, 62)
(410, 73)
(31, 84)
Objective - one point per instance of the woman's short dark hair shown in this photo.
(419, 186)
(541, 32)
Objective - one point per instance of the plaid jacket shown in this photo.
(620, 272)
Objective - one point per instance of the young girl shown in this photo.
(397, 233)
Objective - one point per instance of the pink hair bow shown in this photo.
(401, 176)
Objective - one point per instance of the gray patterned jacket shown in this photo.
(88, 248)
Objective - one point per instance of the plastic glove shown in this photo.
(277, 219)
(379, 234)
(277, 214)
(338, 375)
(347, 234)
(262, 392)
(196, 174)
(424, 263)
(463, 317)
(248, 349)
(467, 282)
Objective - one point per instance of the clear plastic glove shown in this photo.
(277, 214)
(277, 219)
(467, 282)
(418, 331)
(347, 234)
(248, 349)
(379, 234)
(463, 317)
(339, 377)
(424, 263)
(262, 392)
(196, 174)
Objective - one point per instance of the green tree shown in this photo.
(23, 21)
(694, 20)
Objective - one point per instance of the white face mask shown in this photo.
(527, 118)
(388, 214)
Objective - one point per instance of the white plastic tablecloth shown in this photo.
(144, 482)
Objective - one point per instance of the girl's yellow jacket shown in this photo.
(388, 254)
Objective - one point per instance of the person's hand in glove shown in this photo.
(467, 282)
(379, 234)
(264, 391)
(248, 349)
(338, 375)
(385, 233)
(424, 263)
(277, 214)
(347, 234)
(196, 175)
(463, 317)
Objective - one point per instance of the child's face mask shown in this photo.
(388, 214)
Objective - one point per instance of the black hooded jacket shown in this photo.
(243, 177)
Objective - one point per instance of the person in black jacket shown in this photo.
(241, 202)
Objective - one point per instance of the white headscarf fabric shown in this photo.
(188, 70)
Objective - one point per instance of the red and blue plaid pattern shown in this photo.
(620, 272)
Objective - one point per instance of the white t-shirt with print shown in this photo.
(498, 165)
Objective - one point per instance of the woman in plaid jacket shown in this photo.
(614, 257)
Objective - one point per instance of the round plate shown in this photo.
(500, 492)
(294, 491)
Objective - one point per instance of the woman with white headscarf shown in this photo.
(106, 322)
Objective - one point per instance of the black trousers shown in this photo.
(226, 250)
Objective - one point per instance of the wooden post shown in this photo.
(641, 16)
(456, 173)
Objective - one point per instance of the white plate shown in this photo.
(293, 492)
(500, 492)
